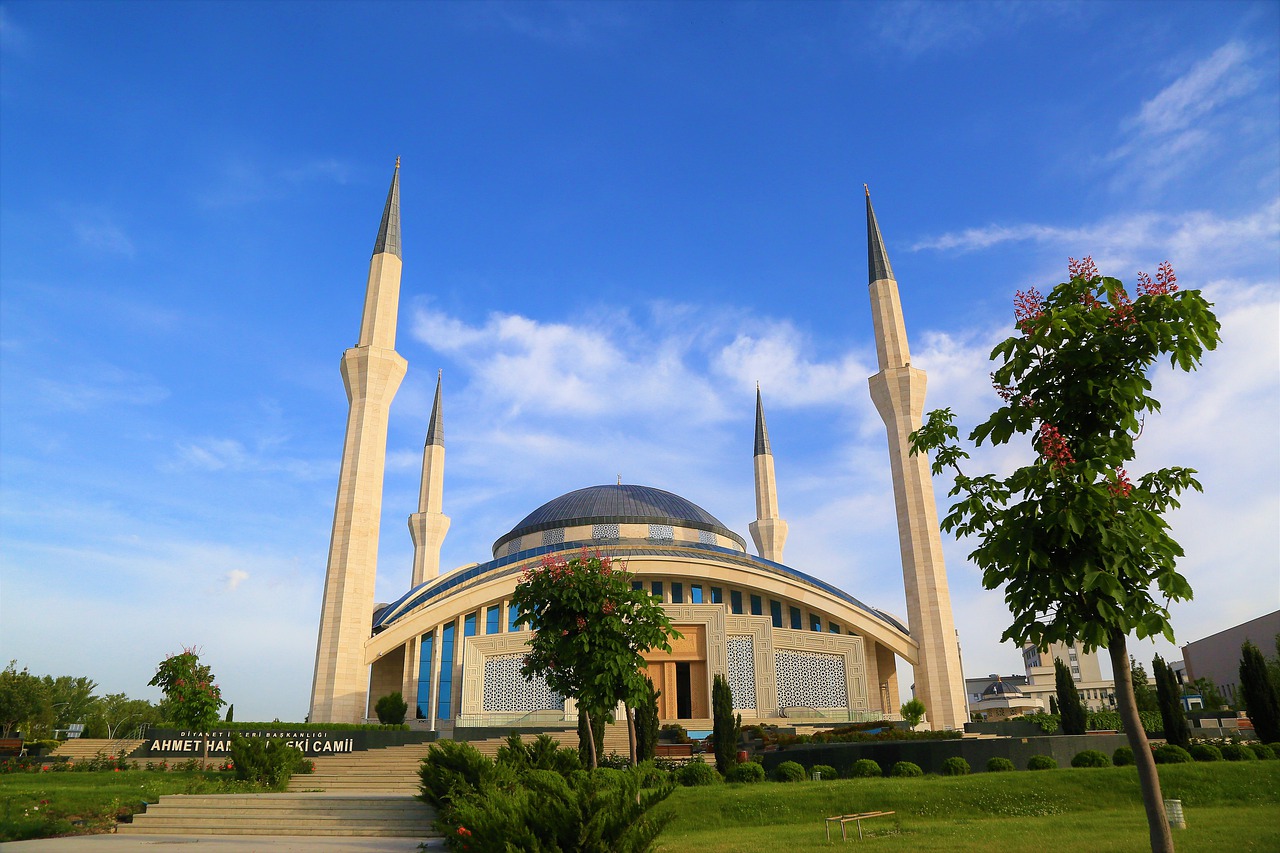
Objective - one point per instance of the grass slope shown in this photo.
(1230, 807)
(44, 805)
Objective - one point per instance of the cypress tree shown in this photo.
(726, 724)
(1260, 696)
(1169, 696)
(1053, 704)
(647, 723)
(1074, 717)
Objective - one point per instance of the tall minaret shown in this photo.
(898, 392)
(429, 525)
(768, 530)
(371, 371)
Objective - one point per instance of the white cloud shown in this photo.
(104, 236)
(235, 577)
(97, 386)
(231, 455)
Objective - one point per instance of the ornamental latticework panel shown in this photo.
(505, 689)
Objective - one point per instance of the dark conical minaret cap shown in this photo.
(389, 231)
(762, 431)
(435, 430)
(877, 257)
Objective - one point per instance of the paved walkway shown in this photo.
(221, 844)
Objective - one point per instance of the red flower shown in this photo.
(1084, 268)
(1121, 487)
(1053, 447)
(1027, 308)
(464, 832)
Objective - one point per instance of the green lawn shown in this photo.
(42, 805)
(1230, 807)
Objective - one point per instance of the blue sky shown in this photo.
(617, 218)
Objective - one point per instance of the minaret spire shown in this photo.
(898, 392)
(428, 526)
(768, 530)
(371, 372)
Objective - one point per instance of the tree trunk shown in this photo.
(631, 733)
(1148, 779)
(204, 760)
(591, 739)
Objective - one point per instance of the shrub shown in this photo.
(826, 771)
(1263, 751)
(675, 733)
(1237, 752)
(747, 771)
(906, 768)
(788, 771)
(955, 766)
(391, 709)
(268, 761)
(1122, 757)
(999, 765)
(1275, 748)
(546, 811)
(864, 768)
(542, 753)
(650, 774)
(1042, 762)
(1171, 754)
(1090, 758)
(451, 769)
(697, 773)
(1205, 752)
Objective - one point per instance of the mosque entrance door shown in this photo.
(684, 692)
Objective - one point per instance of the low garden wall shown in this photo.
(930, 754)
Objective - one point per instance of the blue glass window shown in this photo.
(735, 601)
(637, 584)
(796, 624)
(833, 627)
(775, 612)
(513, 613)
(677, 593)
(695, 594)
(717, 595)
(757, 606)
(424, 677)
(493, 621)
(815, 622)
(656, 588)
(469, 625)
(444, 707)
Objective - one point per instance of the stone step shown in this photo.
(371, 815)
(80, 748)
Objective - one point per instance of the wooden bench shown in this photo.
(11, 746)
(673, 750)
(856, 818)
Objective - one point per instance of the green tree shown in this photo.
(191, 699)
(22, 696)
(115, 714)
(231, 713)
(1075, 718)
(68, 699)
(726, 725)
(1169, 697)
(391, 709)
(912, 713)
(1259, 694)
(1082, 552)
(1143, 696)
(591, 630)
(1053, 705)
(647, 723)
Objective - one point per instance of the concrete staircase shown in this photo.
(324, 814)
(392, 770)
(81, 748)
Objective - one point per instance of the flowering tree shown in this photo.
(191, 699)
(590, 632)
(1082, 551)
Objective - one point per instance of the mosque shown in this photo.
(792, 646)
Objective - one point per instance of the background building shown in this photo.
(1217, 657)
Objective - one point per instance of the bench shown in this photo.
(856, 818)
(673, 750)
(11, 746)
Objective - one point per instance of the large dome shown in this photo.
(620, 504)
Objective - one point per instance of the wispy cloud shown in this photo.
(13, 38)
(566, 24)
(919, 26)
(231, 455)
(96, 386)
(1187, 120)
(104, 236)
(241, 180)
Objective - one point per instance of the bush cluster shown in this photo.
(1042, 762)
(906, 769)
(1090, 758)
(864, 768)
(747, 771)
(955, 766)
(999, 764)
(1263, 751)
(1205, 752)
(826, 771)
(789, 771)
(1171, 754)
(537, 797)
(267, 761)
(697, 773)
(1122, 757)
(1237, 752)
